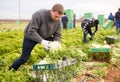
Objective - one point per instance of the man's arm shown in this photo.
(33, 27)
(96, 28)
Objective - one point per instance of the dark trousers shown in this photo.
(28, 45)
(65, 25)
(74, 24)
(118, 27)
(85, 34)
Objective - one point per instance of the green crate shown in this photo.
(55, 72)
(100, 54)
(101, 19)
(44, 67)
(88, 15)
(70, 15)
(18, 22)
(99, 50)
(108, 24)
(110, 39)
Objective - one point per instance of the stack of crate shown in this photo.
(101, 20)
(110, 39)
(70, 15)
(88, 15)
(100, 54)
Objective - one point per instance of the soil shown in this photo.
(112, 75)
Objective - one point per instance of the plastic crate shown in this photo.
(108, 24)
(100, 54)
(56, 72)
(44, 67)
(101, 19)
(88, 15)
(99, 50)
(110, 39)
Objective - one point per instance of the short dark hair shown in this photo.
(119, 9)
(59, 8)
(96, 22)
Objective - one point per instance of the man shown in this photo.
(86, 25)
(117, 19)
(111, 17)
(74, 20)
(44, 28)
(64, 20)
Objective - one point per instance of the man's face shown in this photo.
(55, 15)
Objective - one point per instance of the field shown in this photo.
(87, 70)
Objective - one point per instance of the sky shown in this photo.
(9, 9)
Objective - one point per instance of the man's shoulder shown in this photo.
(87, 20)
(117, 12)
(42, 11)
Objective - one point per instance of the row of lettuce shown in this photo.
(73, 47)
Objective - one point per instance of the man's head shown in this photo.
(96, 22)
(57, 12)
(118, 9)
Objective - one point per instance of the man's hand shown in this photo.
(55, 45)
(90, 37)
(46, 43)
(94, 33)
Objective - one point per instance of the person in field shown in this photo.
(117, 19)
(111, 17)
(45, 28)
(64, 20)
(86, 25)
(74, 20)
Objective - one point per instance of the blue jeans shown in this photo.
(118, 26)
(28, 46)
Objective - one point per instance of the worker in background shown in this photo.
(86, 25)
(64, 20)
(111, 17)
(74, 20)
(117, 19)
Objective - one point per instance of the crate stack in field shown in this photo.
(100, 54)
(88, 15)
(70, 15)
(18, 22)
(110, 39)
(101, 20)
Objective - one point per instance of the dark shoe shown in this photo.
(90, 38)
(11, 68)
(84, 41)
(64, 58)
